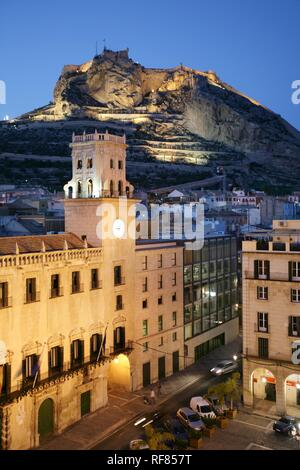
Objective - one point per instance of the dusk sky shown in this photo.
(251, 45)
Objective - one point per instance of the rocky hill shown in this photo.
(188, 120)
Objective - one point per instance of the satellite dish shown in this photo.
(3, 353)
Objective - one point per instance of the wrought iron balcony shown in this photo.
(32, 297)
(96, 285)
(119, 281)
(29, 385)
(124, 348)
(6, 302)
(56, 292)
(77, 289)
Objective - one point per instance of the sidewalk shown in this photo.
(124, 406)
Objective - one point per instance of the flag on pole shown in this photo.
(103, 342)
(36, 368)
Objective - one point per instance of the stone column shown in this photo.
(280, 392)
(247, 384)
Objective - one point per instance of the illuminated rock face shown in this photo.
(175, 115)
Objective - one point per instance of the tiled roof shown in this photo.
(35, 243)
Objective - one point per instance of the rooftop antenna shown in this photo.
(104, 44)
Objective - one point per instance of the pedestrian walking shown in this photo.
(152, 396)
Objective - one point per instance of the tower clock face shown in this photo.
(118, 228)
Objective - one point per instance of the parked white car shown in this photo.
(202, 407)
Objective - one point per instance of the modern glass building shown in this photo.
(210, 295)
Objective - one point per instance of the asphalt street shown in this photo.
(121, 438)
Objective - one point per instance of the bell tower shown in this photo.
(98, 167)
(99, 203)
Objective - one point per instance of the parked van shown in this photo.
(202, 407)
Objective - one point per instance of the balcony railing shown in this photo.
(96, 285)
(293, 332)
(272, 277)
(6, 302)
(53, 376)
(126, 347)
(120, 281)
(56, 292)
(261, 329)
(33, 297)
(77, 289)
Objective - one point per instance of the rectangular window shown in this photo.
(31, 294)
(294, 326)
(30, 368)
(160, 323)
(263, 348)
(262, 293)
(174, 318)
(55, 286)
(262, 322)
(174, 336)
(145, 327)
(159, 261)
(120, 165)
(76, 282)
(174, 261)
(145, 263)
(296, 270)
(95, 345)
(174, 297)
(119, 302)
(118, 280)
(145, 285)
(95, 283)
(261, 269)
(160, 300)
(145, 303)
(161, 343)
(77, 352)
(145, 347)
(4, 295)
(174, 279)
(160, 282)
(295, 295)
(55, 360)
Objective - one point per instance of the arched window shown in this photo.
(79, 164)
(89, 163)
(70, 192)
(111, 163)
(79, 189)
(111, 188)
(90, 188)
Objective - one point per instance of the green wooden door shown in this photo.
(46, 418)
(85, 403)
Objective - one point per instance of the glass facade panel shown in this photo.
(197, 272)
(188, 331)
(212, 295)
